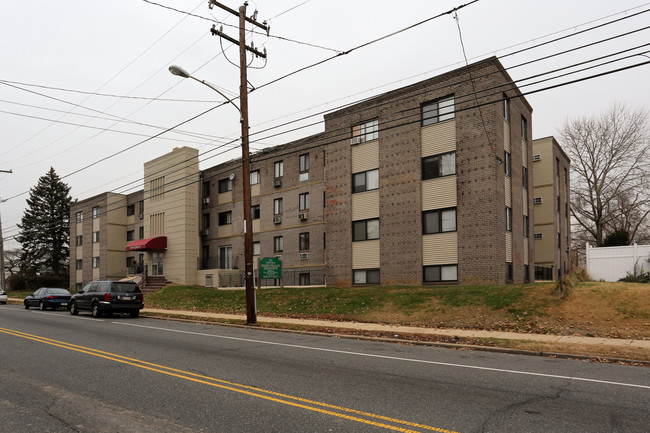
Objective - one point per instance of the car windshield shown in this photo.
(58, 292)
(124, 288)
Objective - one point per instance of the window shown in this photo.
(206, 189)
(96, 212)
(303, 201)
(256, 248)
(141, 232)
(509, 271)
(225, 218)
(205, 257)
(255, 177)
(278, 169)
(437, 111)
(79, 264)
(437, 273)
(365, 181)
(95, 237)
(303, 279)
(438, 165)
(524, 174)
(278, 244)
(557, 167)
(508, 218)
(225, 257)
(277, 206)
(365, 230)
(130, 210)
(225, 185)
(566, 176)
(366, 276)
(80, 216)
(559, 241)
(537, 236)
(507, 163)
(366, 131)
(206, 220)
(95, 262)
(79, 240)
(525, 226)
(439, 221)
(558, 204)
(506, 108)
(130, 235)
(130, 262)
(255, 212)
(524, 129)
(303, 241)
(566, 209)
(304, 167)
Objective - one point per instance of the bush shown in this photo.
(564, 285)
(33, 282)
(636, 276)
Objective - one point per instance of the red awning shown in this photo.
(156, 244)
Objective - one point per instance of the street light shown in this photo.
(251, 310)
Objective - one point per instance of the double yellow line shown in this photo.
(310, 405)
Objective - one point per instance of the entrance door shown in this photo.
(157, 264)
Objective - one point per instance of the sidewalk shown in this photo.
(398, 329)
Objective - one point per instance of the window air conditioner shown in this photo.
(204, 232)
(206, 200)
(302, 216)
(277, 220)
(537, 200)
(537, 157)
(304, 256)
(141, 216)
(277, 181)
(356, 140)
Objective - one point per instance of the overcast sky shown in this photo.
(82, 80)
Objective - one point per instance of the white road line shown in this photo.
(394, 358)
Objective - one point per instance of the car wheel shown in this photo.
(134, 313)
(26, 305)
(42, 306)
(96, 312)
(73, 308)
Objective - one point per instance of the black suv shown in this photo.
(108, 297)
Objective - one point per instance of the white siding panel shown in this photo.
(365, 156)
(509, 247)
(439, 193)
(506, 137)
(439, 138)
(508, 191)
(524, 198)
(440, 248)
(365, 254)
(365, 205)
(524, 152)
(526, 251)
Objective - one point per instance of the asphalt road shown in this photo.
(60, 373)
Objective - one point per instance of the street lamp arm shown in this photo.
(177, 70)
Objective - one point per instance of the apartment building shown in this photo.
(552, 209)
(426, 184)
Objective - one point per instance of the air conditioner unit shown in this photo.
(304, 256)
(537, 200)
(141, 216)
(204, 232)
(277, 220)
(356, 140)
(537, 157)
(206, 200)
(302, 216)
(277, 181)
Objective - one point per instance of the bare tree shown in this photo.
(610, 163)
(12, 261)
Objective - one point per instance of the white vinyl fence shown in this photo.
(614, 263)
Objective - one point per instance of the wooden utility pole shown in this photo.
(2, 249)
(251, 308)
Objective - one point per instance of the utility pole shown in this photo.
(2, 248)
(251, 308)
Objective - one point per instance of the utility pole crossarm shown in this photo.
(263, 26)
(219, 33)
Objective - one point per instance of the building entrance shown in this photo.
(157, 267)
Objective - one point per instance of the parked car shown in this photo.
(3, 297)
(47, 297)
(108, 297)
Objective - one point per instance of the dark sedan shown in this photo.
(46, 297)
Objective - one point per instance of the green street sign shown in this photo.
(270, 268)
